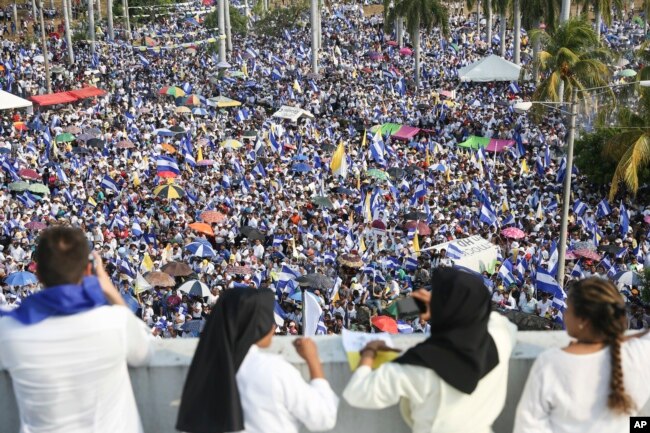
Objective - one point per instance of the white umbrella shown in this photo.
(39, 58)
(195, 288)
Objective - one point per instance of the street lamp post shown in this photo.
(566, 195)
(522, 107)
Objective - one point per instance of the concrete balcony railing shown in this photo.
(158, 386)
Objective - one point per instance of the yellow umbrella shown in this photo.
(169, 191)
(232, 144)
(223, 102)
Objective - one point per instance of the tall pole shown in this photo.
(567, 188)
(68, 36)
(228, 29)
(34, 11)
(91, 25)
(314, 36)
(16, 16)
(99, 10)
(125, 8)
(565, 11)
(109, 17)
(517, 30)
(46, 54)
(222, 31)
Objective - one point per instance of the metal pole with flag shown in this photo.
(567, 188)
(46, 55)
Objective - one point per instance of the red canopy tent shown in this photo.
(87, 92)
(53, 99)
(405, 133)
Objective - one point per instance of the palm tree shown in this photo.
(501, 7)
(630, 146)
(420, 14)
(602, 10)
(534, 13)
(572, 58)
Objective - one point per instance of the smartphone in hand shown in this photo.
(410, 307)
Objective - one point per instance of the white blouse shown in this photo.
(428, 403)
(275, 398)
(567, 393)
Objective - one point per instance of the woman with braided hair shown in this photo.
(597, 382)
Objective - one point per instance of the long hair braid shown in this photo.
(598, 301)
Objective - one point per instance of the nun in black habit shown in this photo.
(233, 386)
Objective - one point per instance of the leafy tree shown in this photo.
(276, 20)
(589, 156)
(602, 10)
(420, 14)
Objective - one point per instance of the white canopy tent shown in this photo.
(490, 68)
(292, 113)
(9, 101)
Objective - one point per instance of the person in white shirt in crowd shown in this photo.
(544, 304)
(527, 303)
(214, 295)
(509, 302)
(498, 296)
(67, 346)
(232, 386)
(599, 380)
(461, 369)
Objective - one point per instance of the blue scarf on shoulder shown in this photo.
(63, 300)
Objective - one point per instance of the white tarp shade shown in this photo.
(478, 254)
(490, 68)
(291, 113)
(9, 101)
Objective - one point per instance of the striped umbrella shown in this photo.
(195, 288)
(169, 191)
(200, 249)
(172, 91)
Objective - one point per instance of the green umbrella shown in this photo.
(38, 188)
(627, 73)
(18, 186)
(250, 134)
(475, 142)
(377, 174)
(65, 137)
(322, 201)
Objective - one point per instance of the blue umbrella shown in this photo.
(301, 167)
(297, 296)
(628, 278)
(300, 158)
(200, 249)
(22, 278)
(200, 111)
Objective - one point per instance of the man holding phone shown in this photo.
(67, 347)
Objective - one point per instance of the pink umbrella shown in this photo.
(28, 173)
(406, 51)
(513, 233)
(205, 162)
(587, 254)
(35, 225)
(570, 256)
(647, 219)
(392, 43)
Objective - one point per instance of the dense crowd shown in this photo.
(218, 193)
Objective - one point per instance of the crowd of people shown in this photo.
(182, 166)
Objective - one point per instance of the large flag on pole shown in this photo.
(339, 164)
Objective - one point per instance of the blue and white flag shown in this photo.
(624, 220)
(453, 252)
(603, 209)
(546, 283)
(166, 163)
(109, 184)
(487, 214)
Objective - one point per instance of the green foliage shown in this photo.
(146, 8)
(589, 156)
(281, 18)
(237, 21)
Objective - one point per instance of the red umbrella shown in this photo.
(28, 173)
(513, 233)
(587, 254)
(212, 216)
(391, 43)
(378, 224)
(167, 174)
(385, 324)
(422, 228)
